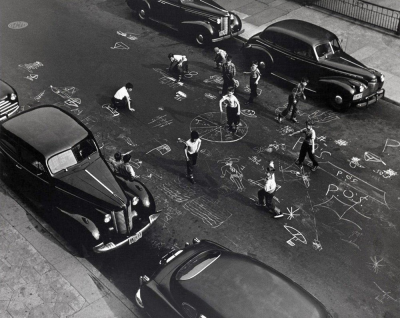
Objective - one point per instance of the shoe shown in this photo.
(295, 120)
(191, 179)
(278, 216)
(314, 168)
(260, 204)
(279, 119)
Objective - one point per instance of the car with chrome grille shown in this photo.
(54, 160)
(9, 104)
(203, 20)
(292, 49)
(207, 280)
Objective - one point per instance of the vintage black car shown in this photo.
(8, 101)
(55, 161)
(204, 20)
(207, 280)
(292, 49)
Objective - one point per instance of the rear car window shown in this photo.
(197, 264)
(62, 161)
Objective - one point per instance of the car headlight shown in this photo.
(218, 21)
(362, 88)
(135, 200)
(232, 17)
(107, 218)
(153, 218)
(382, 78)
(13, 96)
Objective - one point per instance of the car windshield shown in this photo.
(324, 49)
(335, 45)
(71, 157)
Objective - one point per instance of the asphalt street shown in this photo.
(339, 235)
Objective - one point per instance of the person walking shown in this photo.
(232, 109)
(178, 66)
(295, 95)
(125, 170)
(220, 57)
(255, 76)
(308, 145)
(191, 153)
(122, 98)
(266, 195)
(228, 75)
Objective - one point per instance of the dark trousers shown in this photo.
(264, 196)
(253, 89)
(227, 83)
(191, 163)
(177, 70)
(292, 103)
(232, 116)
(307, 148)
(118, 103)
(219, 60)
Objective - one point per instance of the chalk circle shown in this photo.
(212, 127)
(17, 25)
(248, 113)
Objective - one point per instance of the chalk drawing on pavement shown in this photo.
(217, 79)
(352, 239)
(210, 96)
(355, 162)
(160, 121)
(296, 236)
(32, 77)
(386, 173)
(163, 149)
(341, 142)
(16, 25)
(31, 66)
(128, 35)
(247, 90)
(248, 113)
(391, 143)
(179, 96)
(165, 79)
(384, 295)
(190, 74)
(369, 156)
(375, 264)
(39, 96)
(120, 46)
(110, 109)
(232, 169)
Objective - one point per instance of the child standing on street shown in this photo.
(295, 95)
(308, 145)
(232, 109)
(255, 76)
(191, 152)
(220, 57)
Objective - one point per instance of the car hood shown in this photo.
(95, 179)
(5, 89)
(346, 63)
(208, 6)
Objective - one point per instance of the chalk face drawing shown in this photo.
(207, 211)
(120, 46)
(160, 121)
(296, 236)
(341, 142)
(391, 143)
(235, 173)
(211, 127)
(16, 25)
(128, 35)
(163, 149)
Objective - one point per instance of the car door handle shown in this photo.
(19, 167)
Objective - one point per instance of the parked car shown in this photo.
(204, 20)
(55, 161)
(207, 280)
(291, 49)
(8, 101)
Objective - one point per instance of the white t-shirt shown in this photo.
(270, 185)
(121, 93)
(193, 147)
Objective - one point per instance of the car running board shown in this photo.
(171, 26)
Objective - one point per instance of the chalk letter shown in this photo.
(391, 143)
(331, 189)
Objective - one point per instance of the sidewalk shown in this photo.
(374, 48)
(39, 278)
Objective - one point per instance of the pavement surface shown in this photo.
(373, 47)
(41, 277)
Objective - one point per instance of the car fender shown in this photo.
(85, 222)
(253, 49)
(190, 26)
(337, 85)
(137, 188)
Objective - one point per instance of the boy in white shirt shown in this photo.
(122, 97)
(191, 152)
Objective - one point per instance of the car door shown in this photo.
(284, 61)
(34, 177)
(168, 11)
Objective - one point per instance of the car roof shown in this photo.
(305, 31)
(47, 129)
(236, 285)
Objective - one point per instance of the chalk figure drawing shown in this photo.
(211, 127)
(296, 236)
(207, 211)
(234, 172)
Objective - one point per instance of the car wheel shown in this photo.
(201, 38)
(337, 103)
(143, 13)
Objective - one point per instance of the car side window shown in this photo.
(269, 36)
(31, 160)
(284, 41)
(303, 49)
(190, 311)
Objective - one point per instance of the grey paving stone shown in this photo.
(265, 16)
(17, 309)
(5, 292)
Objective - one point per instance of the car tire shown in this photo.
(337, 103)
(143, 13)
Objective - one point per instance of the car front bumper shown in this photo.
(371, 99)
(102, 248)
(231, 35)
